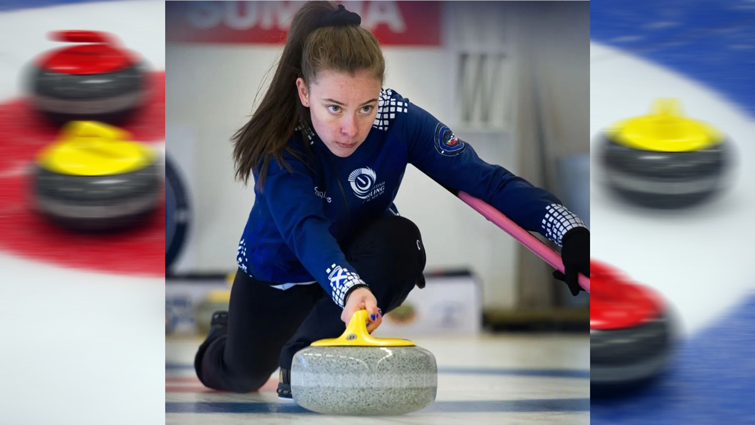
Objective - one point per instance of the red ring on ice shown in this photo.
(24, 232)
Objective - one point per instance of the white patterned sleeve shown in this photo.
(557, 221)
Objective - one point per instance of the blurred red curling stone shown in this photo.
(630, 332)
(94, 80)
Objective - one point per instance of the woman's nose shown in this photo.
(349, 126)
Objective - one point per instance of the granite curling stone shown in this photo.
(664, 159)
(358, 374)
(97, 81)
(93, 179)
(630, 333)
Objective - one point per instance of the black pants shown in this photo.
(267, 326)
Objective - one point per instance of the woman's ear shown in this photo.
(301, 88)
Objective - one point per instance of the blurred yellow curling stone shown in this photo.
(665, 159)
(93, 178)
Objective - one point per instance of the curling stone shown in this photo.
(664, 159)
(358, 374)
(630, 332)
(97, 81)
(93, 179)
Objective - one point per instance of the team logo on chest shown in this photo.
(363, 183)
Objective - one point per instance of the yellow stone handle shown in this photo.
(90, 148)
(669, 106)
(77, 129)
(665, 129)
(356, 335)
(95, 136)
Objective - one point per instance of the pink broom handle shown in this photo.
(523, 236)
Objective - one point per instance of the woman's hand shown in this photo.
(575, 254)
(362, 299)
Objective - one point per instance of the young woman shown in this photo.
(327, 148)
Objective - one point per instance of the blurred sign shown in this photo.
(183, 298)
(448, 305)
(484, 79)
(267, 22)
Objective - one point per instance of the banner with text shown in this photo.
(397, 23)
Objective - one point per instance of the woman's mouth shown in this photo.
(346, 145)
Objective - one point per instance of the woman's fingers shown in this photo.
(372, 325)
(370, 304)
(348, 311)
(363, 301)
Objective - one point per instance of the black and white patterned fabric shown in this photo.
(241, 259)
(388, 107)
(341, 280)
(309, 132)
(558, 220)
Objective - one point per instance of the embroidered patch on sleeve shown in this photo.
(446, 143)
(557, 221)
(341, 280)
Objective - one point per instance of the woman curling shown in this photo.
(327, 148)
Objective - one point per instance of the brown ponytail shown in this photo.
(310, 48)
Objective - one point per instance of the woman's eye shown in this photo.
(334, 109)
(367, 109)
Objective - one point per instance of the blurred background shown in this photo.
(699, 257)
(512, 79)
(82, 311)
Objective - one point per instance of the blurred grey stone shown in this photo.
(97, 203)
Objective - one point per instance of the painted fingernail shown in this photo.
(372, 316)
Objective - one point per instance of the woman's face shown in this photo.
(342, 107)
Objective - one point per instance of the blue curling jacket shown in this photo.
(293, 231)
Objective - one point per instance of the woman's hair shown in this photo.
(310, 49)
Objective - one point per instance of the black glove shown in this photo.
(575, 253)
